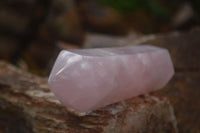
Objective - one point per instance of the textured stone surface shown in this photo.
(183, 92)
(28, 106)
(87, 79)
(184, 89)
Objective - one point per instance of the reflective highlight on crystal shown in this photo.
(87, 79)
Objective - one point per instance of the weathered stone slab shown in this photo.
(28, 105)
(183, 92)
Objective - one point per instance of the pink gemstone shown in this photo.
(87, 79)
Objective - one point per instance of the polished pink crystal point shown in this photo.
(87, 79)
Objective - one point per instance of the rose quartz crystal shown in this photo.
(87, 79)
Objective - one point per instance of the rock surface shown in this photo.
(183, 92)
(28, 105)
(184, 89)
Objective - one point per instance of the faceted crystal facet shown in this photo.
(87, 79)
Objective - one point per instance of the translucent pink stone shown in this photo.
(87, 79)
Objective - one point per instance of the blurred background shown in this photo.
(32, 32)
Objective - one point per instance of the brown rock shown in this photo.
(28, 105)
(184, 89)
(183, 92)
